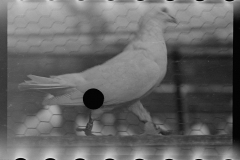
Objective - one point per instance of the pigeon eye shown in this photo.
(165, 10)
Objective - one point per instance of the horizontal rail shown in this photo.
(122, 1)
(185, 89)
(133, 141)
(170, 88)
(121, 148)
(184, 55)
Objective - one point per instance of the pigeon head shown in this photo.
(166, 16)
(160, 15)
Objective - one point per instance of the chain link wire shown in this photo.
(51, 38)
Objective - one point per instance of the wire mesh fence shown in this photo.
(52, 38)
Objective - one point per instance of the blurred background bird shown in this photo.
(124, 80)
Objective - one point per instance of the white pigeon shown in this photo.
(123, 80)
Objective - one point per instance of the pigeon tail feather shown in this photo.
(38, 82)
(64, 100)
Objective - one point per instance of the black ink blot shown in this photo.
(93, 98)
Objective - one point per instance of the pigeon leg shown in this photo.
(144, 116)
(88, 129)
(93, 115)
(89, 126)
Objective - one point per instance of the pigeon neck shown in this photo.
(152, 32)
(151, 37)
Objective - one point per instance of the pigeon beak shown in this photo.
(172, 19)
